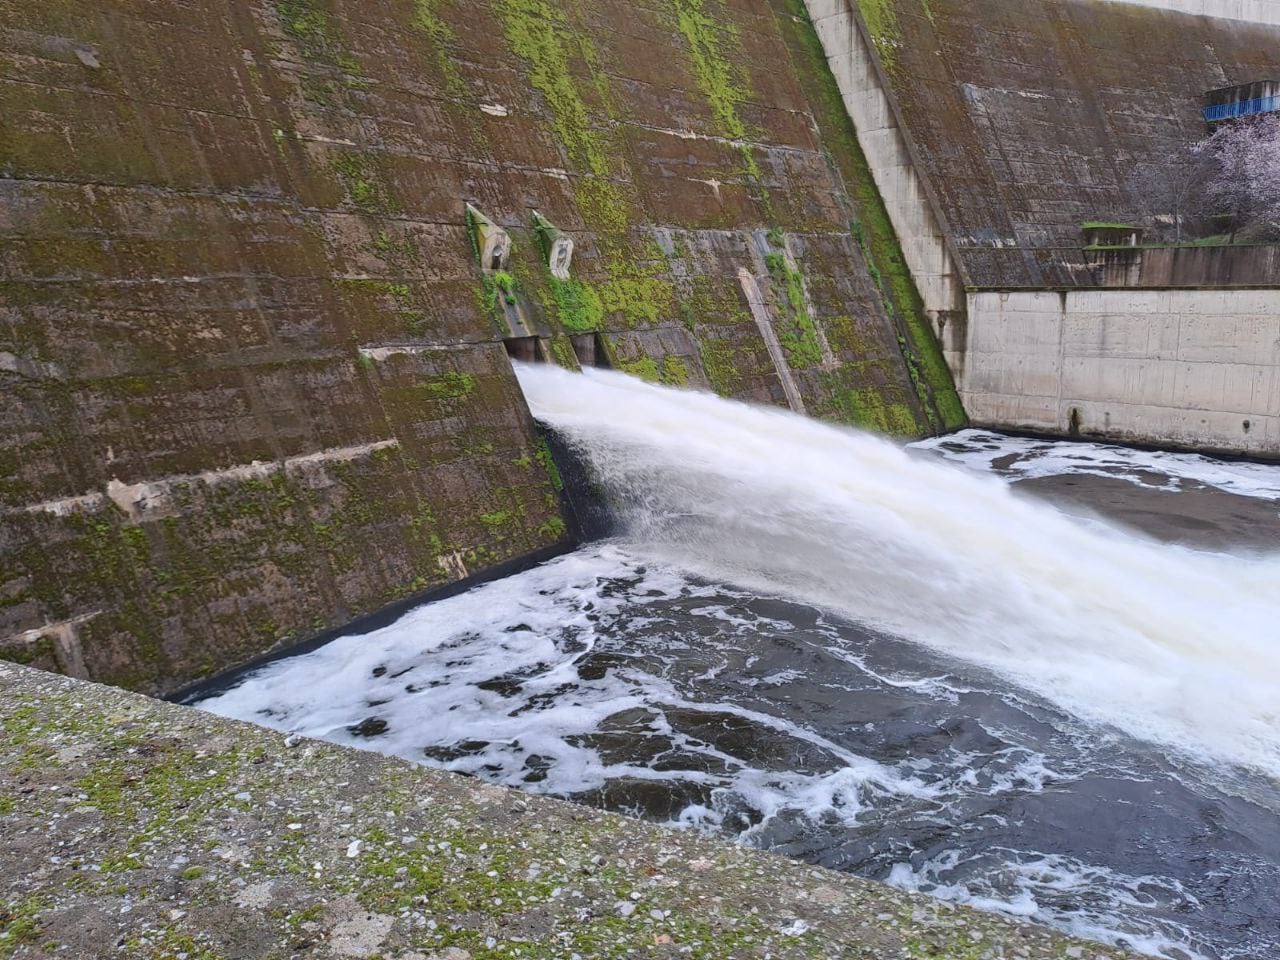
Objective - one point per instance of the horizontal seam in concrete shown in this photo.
(128, 496)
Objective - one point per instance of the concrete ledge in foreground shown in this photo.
(135, 828)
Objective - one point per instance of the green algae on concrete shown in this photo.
(708, 40)
(362, 177)
(873, 230)
(546, 37)
(168, 831)
(576, 304)
(881, 18)
(671, 370)
(543, 36)
(428, 21)
(799, 335)
(718, 363)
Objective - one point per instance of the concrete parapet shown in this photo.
(139, 828)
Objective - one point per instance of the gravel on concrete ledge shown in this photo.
(135, 828)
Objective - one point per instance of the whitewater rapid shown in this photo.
(1168, 644)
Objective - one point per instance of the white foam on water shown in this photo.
(1087, 901)
(1168, 644)
(429, 679)
(487, 683)
(1023, 458)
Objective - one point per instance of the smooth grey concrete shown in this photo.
(888, 151)
(1184, 368)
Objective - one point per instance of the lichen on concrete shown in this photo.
(138, 828)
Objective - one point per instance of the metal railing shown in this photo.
(1242, 108)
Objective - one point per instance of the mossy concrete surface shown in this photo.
(1031, 118)
(251, 383)
(137, 828)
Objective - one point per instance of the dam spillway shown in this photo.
(258, 312)
(761, 653)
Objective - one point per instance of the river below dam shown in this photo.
(1041, 678)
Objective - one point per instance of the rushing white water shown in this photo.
(1168, 644)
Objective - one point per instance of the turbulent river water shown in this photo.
(813, 640)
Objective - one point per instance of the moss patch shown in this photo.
(799, 334)
(881, 18)
(873, 230)
(428, 22)
(709, 41)
(363, 179)
(576, 304)
(671, 371)
(540, 33)
(450, 386)
(19, 924)
(867, 408)
(720, 367)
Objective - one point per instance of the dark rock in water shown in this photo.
(660, 800)
(592, 669)
(448, 752)
(369, 727)
(537, 765)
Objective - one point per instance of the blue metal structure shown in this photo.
(1242, 108)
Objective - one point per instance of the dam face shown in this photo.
(253, 372)
(260, 303)
(997, 132)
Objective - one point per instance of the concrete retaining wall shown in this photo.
(1210, 266)
(1185, 267)
(1190, 368)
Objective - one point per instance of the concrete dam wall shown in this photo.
(1254, 11)
(1027, 120)
(995, 132)
(254, 381)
